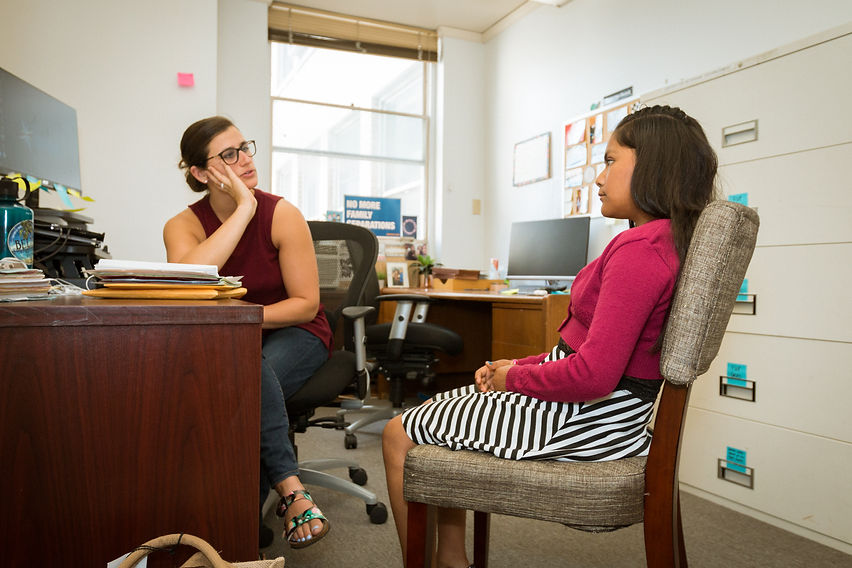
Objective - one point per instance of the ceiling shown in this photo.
(476, 16)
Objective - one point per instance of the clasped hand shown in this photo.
(492, 375)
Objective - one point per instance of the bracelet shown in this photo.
(514, 361)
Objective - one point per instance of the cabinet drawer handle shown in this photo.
(745, 304)
(736, 473)
(739, 133)
(742, 389)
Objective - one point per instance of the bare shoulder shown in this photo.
(288, 224)
(183, 221)
(287, 210)
(184, 227)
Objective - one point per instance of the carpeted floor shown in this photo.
(715, 536)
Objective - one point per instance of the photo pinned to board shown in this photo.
(575, 156)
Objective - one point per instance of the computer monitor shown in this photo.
(38, 134)
(553, 250)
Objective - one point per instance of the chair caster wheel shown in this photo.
(350, 441)
(378, 513)
(358, 475)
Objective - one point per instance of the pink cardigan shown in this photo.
(618, 307)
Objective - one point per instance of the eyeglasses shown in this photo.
(231, 155)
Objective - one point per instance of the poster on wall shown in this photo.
(531, 160)
(379, 214)
(409, 226)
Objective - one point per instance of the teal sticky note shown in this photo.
(737, 371)
(736, 459)
(741, 198)
(63, 195)
(742, 297)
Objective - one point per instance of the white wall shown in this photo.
(460, 155)
(243, 94)
(554, 63)
(116, 63)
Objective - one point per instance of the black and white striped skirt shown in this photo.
(515, 426)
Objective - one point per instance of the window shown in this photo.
(348, 123)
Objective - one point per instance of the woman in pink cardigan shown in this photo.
(592, 396)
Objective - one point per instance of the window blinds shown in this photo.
(306, 26)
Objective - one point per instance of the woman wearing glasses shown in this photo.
(246, 231)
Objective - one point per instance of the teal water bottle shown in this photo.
(17, 221)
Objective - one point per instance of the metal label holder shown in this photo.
(736, 473)
(741, 389)
(746, 304)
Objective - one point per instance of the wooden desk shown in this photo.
(125, 420)
(492, 325)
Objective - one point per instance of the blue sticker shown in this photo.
(741, 198)
(736, 459)
(63, 195)
(742, 297)
(736, 371)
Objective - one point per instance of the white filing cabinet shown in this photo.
(797, 347)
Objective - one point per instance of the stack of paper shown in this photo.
(138, 279)
(17, 282)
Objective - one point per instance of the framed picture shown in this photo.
(532, 160)
(397, 275)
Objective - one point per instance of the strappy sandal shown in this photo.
(306, 516)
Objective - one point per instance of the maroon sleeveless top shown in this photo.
(255, 258)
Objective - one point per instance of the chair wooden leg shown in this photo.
(417, 527)
(663, 531)
(681, 546)
(481, 531)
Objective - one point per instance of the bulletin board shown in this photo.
(584, 142)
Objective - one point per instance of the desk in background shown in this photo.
(492, 325)
(124, 420)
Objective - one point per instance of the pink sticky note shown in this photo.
(186, 79)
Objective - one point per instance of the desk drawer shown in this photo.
(517, 330)
(800, 478)
(799, 384)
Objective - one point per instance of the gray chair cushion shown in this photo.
(710, 279)
(594, 497)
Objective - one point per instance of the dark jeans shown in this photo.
(290, 357)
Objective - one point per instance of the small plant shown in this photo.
(380, 275)
(425, 264)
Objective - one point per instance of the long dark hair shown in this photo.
(194, 144)
(675, 172)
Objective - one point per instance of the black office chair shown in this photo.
(346, 257)
(404, 349)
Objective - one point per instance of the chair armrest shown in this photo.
(357, 314)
